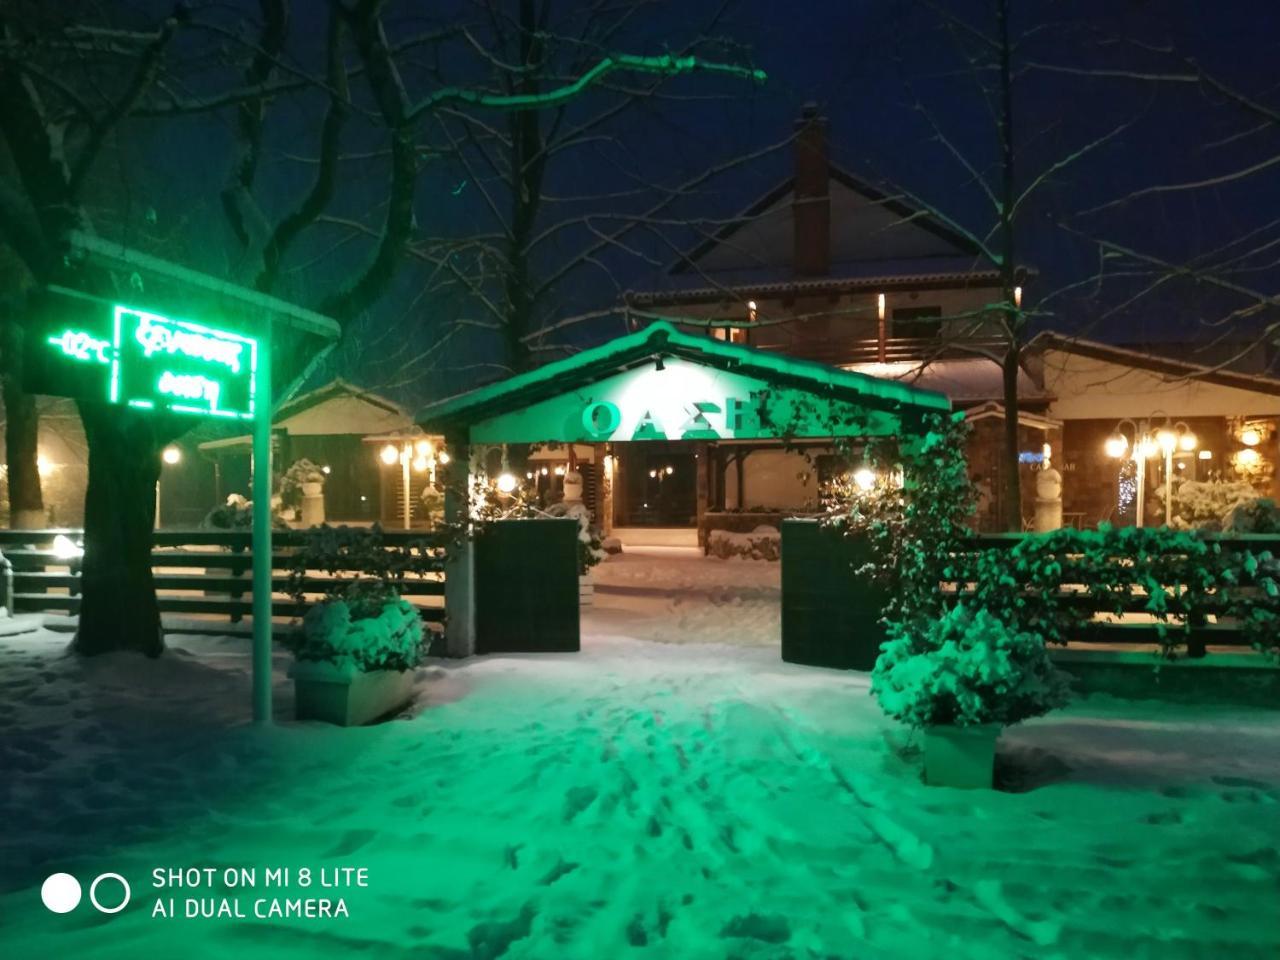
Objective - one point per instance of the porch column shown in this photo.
(702, 454)
(459, 567)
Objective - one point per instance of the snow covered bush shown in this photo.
(350, 555)
(915, 517)
(1204, 504)
(237, 514)
(302, 471)
(370, 628)
(762, 543)
(1180, 578)
(1253, 516)
(964, 669)
(590, 538)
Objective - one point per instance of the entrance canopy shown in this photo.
(663, 384)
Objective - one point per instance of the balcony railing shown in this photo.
(838, 352)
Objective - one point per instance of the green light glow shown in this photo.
(79, 345)
(205, 371)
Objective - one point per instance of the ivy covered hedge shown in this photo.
(357, 554)
(1053, 583)
(1049, 584)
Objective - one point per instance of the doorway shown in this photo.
(659, 485)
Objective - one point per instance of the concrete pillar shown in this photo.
(608, 468)
(702, 472)
(312, 514)
(459, 567)
(460, 599)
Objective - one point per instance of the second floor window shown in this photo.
(917, 323)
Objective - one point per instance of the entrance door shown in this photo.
(659, 485)
(526, 585)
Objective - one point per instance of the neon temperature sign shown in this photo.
(146, 360)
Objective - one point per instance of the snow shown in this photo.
(762, 543)
(676, 595)
(636, 799)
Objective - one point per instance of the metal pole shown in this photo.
(1168, 487)
(262, 533)
(1142, 483)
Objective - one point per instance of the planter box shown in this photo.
(963, 757)
(586, 590)
(348, 697)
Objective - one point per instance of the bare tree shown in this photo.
(73, 79)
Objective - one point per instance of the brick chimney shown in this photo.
(811, 206)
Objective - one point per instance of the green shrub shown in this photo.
(370, 628)
(967, 668)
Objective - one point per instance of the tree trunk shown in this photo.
(1013, 320)
(21, 435)
(118, 607)
(1011, 494)
(528, 165)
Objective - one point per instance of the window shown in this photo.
(917, 322)
(731, 334)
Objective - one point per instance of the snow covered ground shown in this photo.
(676, 595)
(638, 799)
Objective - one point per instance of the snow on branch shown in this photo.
(665, 65)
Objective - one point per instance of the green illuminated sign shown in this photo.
(142, 359)
(682, 400)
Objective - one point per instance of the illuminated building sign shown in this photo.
(683, 400)
(696, 420)
(130, 356)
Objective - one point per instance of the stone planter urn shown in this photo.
(963, 757)
(346, 696)
(312, 489)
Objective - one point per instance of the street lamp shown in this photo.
(1147, 443)
(172, 455)
(418, 456)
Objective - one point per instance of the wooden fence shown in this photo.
(1136, 625)
(206, 573)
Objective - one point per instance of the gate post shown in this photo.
(459, 562)
(460, 599)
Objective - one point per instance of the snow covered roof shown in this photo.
(966, 381)
(339, 408)
(866, 224)
(877, 240)
(662, 339)
(1166, 367)
(118, 256)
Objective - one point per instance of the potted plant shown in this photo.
(962, 678)
(355, 655)
(302, 479)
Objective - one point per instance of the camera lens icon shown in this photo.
(61, 893)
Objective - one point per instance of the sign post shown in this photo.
(262, 548)
(89, 348)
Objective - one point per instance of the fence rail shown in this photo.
(1136, 625)
(205, 572)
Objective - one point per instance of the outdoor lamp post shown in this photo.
(412, 455)
(1147, 443)
(171, 456)
(1169, 439)
(1118, 445)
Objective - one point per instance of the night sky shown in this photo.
(903, 87)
